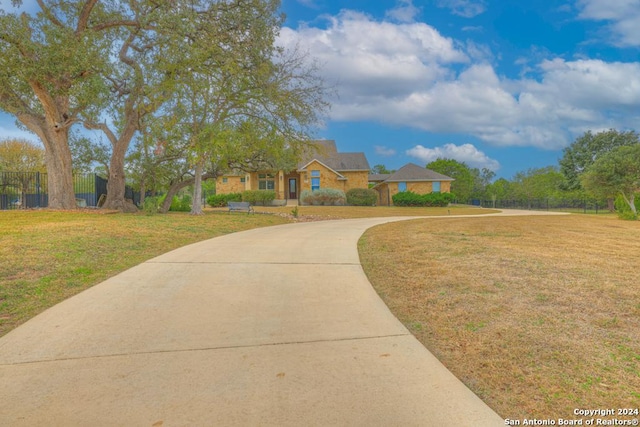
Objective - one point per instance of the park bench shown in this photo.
(240, 206)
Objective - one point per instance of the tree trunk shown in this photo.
(173, 190)
(55, 139)
(177, 186)
(116, 185)
(631, 202)
(196, 205)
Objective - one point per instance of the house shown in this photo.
(322, 167)
(410, 177)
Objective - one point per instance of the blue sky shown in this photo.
(502, 84)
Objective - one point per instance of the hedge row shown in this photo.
(262, 197)
(362, 197)
(221, 200)
(409, 198)
(323, 197)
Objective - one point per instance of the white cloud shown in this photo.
(623, 17)
(404, 11)
(377, 59)
(465, 8)
(466, 153)
(410, 75)
(384, 151)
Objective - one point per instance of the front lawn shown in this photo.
(537, 315)
(49, 256)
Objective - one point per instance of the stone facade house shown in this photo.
(322, 167)
(410, 177)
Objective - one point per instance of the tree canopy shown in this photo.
(381, 170)
(587, 148)
(616, 172)
(20, 155)
(116, 65)
(463, 185)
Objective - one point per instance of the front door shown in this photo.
(293, 188)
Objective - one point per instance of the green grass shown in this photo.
(49, 256)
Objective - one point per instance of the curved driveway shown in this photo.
(272, 326)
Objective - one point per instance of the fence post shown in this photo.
(38, 188)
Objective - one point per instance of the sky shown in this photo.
(497, 84)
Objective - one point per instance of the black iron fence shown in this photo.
(28, 190)
(548, 204)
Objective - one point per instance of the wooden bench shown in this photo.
(240, 206)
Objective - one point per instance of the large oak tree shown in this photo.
(50, 74)
(109, 65)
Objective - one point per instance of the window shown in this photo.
(243, 180)
(402, 186)
(435, 187)
(225, 180)
(315, 184)
(266, 181)
(315, 180)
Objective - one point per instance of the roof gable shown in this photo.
(325, 152)
(325, 166)
(413, 172)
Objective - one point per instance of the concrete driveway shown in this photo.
(274, 326)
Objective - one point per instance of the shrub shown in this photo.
(409, 198)
(362, 197)
(323, 197)
(181, 204)
(623, 209)
(221, 200)
(259, 197)
(151, 205)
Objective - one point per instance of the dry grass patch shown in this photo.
(49, 256)
(537, 315)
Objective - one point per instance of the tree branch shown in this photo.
(49, 14)
(83, 19)
(104, 128)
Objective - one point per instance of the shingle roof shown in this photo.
(413, 172)
(378, 177)
(327, 153)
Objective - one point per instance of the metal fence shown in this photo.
(549, 204)
(28, 190)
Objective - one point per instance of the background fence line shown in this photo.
(28, 190)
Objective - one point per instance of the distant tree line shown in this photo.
(603, 167)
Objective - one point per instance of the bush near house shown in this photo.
(221, 200)
(259, 197)
(409, 198)
(323, 197)
(362, 197)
